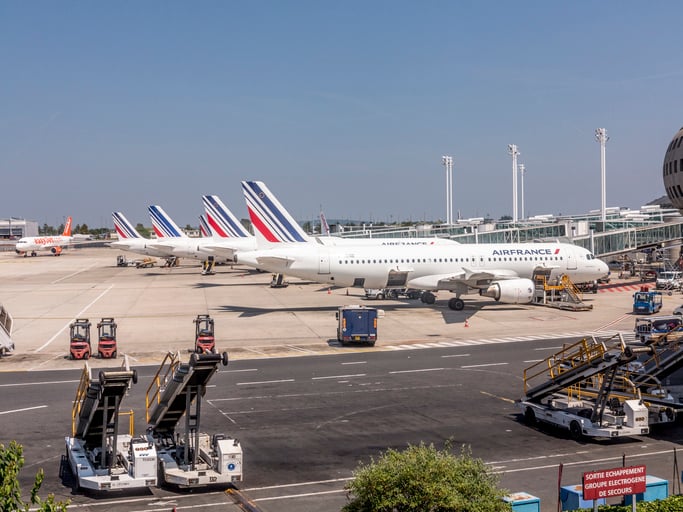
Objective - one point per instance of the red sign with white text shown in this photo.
(614, 482)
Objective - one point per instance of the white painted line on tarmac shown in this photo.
(264, 382)
(456, 355)
(24, 409)
(303, 495)
(49, 383)
(78, 315)
(73, 274)
(419, 371)
(298, 484)
(339, 376)
(355, 362)
(484, 365)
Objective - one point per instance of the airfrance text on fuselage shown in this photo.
(525, 252)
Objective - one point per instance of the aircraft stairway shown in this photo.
(575, 363)
(176, 386)
(95, 410)
(563, 294)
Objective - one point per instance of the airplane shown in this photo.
(131, 240)
(276, 225)
(501, 271)
(32, 244)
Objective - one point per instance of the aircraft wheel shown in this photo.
(575, 430)
(429, 298)
(456, 304)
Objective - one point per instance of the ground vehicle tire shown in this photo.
(224, 358)
(135, 376)
(380, 296)
(414, 295)
(113, 356)
(371, 343)
(86, 356)
(575, 430)
(428, 298)
(529, 416)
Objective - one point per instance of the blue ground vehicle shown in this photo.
(357, 324)
(647, 302)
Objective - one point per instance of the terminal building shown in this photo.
(14, 229)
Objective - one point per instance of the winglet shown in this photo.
(67, 227)
(221, 220)
(163, 224)
(123, 226)
(269, 217)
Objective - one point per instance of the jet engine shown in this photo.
(511, 291)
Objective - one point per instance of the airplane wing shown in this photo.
(275, 260)
(222, 251)
(465, 278)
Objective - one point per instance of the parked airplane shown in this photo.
(500, 271)
(32, 244)
(131, 240)
(172, 239)
(276, 225)
(229, 235)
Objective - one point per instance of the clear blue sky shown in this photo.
(350, 105)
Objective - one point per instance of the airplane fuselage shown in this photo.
(41, 243)
(425, 267)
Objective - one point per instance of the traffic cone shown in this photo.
(467, 324)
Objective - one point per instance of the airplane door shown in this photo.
(474, 260)
(571, 261)
(323, 262)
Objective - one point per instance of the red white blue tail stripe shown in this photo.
(123, 227)
(204, 227)
(221, 220)
(269, 216)
(163, 224)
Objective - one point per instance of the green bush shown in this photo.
(424, 479)
(11, 462)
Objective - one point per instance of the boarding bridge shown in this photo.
(561, 294)
(193, 458)
(573, 364)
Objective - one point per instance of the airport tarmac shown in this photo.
(155, 308)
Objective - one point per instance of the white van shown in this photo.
(669, 280)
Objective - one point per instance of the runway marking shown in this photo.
(73, 274)
(339, 376)
(24, 409)
(265, 382)
(484, 365)
(51, 382)
(303, 495)
(418, 371)
(455, 355)
(78, 315)
(300, 484)
(355, 362)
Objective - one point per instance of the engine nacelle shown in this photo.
(511, 291)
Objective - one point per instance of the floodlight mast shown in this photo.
(448, 164)
(602, 138)
(522, 172)
(512, 150)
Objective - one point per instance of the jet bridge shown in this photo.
(190, 458)
(99, 457)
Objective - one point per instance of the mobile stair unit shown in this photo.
(190, 458)
(550, 391)
(100, 458)
(561, 294)
(6, 321)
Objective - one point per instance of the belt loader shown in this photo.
(190, 458)
(99, 457)
(553, 389)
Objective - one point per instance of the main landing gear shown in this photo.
(456, 303)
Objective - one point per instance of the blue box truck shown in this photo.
(357, 324)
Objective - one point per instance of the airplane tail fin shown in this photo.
(221, 220)
(324, 227)
(271, 220)
(204, 227)
(123, 226)
(163, 224)
(67, 227)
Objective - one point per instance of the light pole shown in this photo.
(512, 150)
(448, 164)
(602, 138)
(522, 172)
